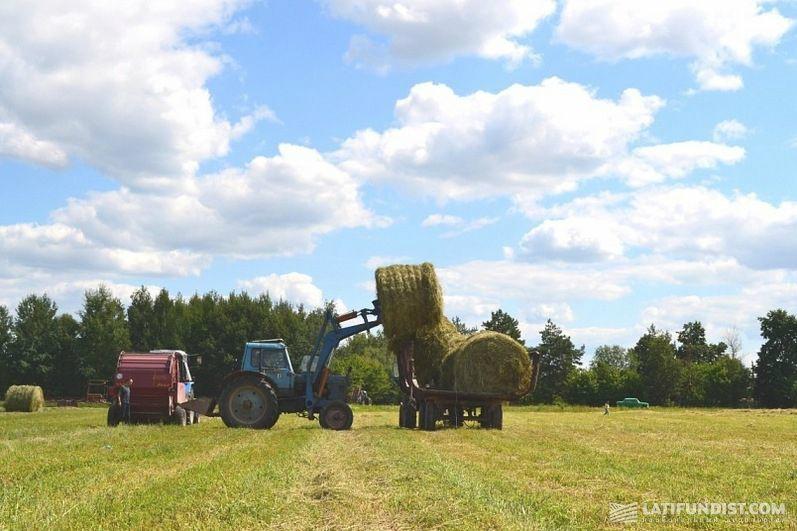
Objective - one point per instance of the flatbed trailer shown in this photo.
(424, 406)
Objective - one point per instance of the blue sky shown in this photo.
(604, 164)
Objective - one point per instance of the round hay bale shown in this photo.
(431, 346)
(488, 362)
(27, 398)
(410, 298)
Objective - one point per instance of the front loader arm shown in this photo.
(326, 345)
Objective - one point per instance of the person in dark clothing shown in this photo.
(124, 399)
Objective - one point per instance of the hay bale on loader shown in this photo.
(26, 398)
(411, 303)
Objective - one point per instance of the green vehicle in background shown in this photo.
(631, 402)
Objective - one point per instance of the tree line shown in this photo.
(665, 369)
(61, 352)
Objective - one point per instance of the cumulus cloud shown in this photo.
(576, 239)
(653, 164)
(716, 34)
(537, 291)
(119, 87)
(729, 130)
(274, 206)
(434, 220)
(379, 261)
(719, 313)
(425, 31)
(293, 287)
(64, 288)
(540, 138)
(18, 143)
(689, 222)
(457, 224)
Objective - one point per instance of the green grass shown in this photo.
(548, 469)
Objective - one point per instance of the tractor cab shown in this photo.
(270, 358)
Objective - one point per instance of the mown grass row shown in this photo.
(547, 469)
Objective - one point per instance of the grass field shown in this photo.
(548, 469)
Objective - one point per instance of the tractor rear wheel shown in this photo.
(249, 402)
(408, 416)
(114, 415)
(336, 415)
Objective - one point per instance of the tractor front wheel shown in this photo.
(336, 415)
(249, 402)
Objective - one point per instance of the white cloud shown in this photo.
(576, 239)
(424, 31)
(275, 206)
(66, 289)
(719, 313)
(716, 34)
(20, 144)
(121, 87)
(530, 139)
(59, 247)
(729, 130)
(379, 261)
(472, 309)
(434, 220)
(540, 291)
(293, 287)
(653, 164)
(689, 222)
(457, 224)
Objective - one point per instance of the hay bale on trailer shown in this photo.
(27, 398)
(411, 303)
(487, 362)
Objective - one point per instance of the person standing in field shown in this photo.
(606, 408)
(125, 390)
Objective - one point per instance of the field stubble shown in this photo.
(548, 469)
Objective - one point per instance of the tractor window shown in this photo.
(269, 358)
(273, 359)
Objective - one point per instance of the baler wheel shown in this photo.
(337, 416)
(180, 416)
(114, 415)
(249, 402)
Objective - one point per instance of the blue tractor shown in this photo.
(266, 385)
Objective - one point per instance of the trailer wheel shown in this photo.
(428, 416)
(456, 417)
(114, 415)
(493, 417)
(249, 402)
(408, 416)
(337, 416)
(180, 416)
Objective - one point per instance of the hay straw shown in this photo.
(411, 303)
(28, 398)
(410, 298)
(488, 362)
